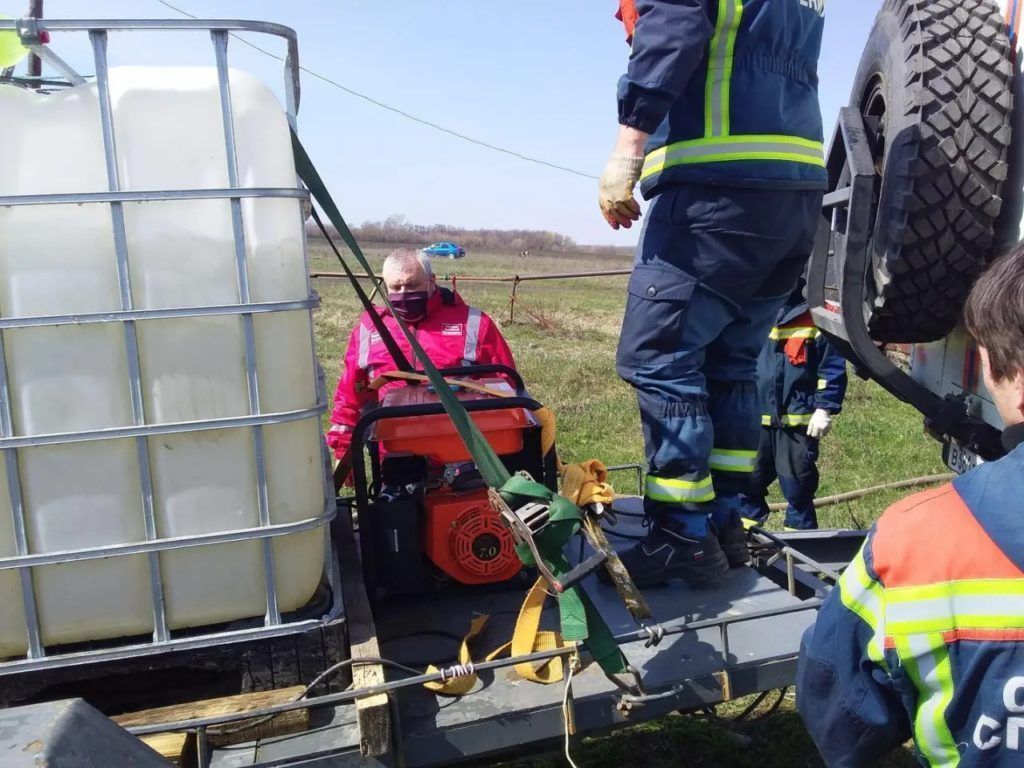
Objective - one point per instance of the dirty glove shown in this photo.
(615, 191)
(820, 424)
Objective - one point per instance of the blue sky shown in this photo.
(536, 76)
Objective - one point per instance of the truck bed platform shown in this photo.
(739, 638)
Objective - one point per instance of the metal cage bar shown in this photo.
(131, 339)
(144, 196)
(128, 315)
(28, 592)
(220, 45)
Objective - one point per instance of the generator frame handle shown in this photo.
(366, 532)
(476, 370)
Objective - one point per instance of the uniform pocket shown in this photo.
(657, 304)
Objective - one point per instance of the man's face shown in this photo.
(406, 277)
(1008, 394)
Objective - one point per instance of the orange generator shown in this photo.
(424, 519)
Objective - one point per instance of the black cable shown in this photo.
(756, 703)
(246, 725)
(778, 703)
(397, 111)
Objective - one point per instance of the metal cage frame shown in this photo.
(30, 31)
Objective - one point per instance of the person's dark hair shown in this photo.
(995, 314)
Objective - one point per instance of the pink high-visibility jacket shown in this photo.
(453, 334)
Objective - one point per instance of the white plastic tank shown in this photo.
(60, 260)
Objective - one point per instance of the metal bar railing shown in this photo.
(116, 653)
(147, 196)
(167, 428)
(158, 314)
(131, 339)
(220, 45)
(17, 498)
(161, 545)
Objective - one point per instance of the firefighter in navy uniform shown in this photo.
(924, 635)
(720, 125)
(802, 382)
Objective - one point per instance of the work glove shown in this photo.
(820, 424)
(615, 191)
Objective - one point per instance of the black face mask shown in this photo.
(411, 306)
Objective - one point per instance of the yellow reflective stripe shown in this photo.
(974, 604)
(796, 419)
(733, 148)
(865, 597)
(822, 384)
(724, 460)
(720, 59)
(672, 490)
(926, 660)
(766, 420)
(778, 334)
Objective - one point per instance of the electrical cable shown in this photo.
(861, 492)
(333, 669)
(397, 111)
(753, 705)
(565, 707)
(778, 703)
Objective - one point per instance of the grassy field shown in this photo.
(564, 339)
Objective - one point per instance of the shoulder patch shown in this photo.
(933, 537)
(451, 329)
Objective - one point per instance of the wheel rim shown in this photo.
(873, 109)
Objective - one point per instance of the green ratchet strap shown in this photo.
(579, 618)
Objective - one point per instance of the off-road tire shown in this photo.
(942, 70)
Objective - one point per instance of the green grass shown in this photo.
(565, 348)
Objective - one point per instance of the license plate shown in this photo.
(960, 459)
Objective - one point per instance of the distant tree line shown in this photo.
(398, 230)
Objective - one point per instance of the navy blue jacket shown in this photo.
(924, 635)
(791, 392)
(730, 99)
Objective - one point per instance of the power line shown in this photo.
(396, 110)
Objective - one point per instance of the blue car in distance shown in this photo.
(445, 250)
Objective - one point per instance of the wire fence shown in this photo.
(514, 300)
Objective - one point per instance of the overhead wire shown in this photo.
(401, 112)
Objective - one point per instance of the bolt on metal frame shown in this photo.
(128, 316)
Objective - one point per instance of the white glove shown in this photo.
(615, 192)
(820, 424)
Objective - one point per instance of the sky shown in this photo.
(534, 76)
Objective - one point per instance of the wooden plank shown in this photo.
(294, 721)
(373, 713)
(170, 745)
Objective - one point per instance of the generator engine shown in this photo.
(463, 536)
(430, 522)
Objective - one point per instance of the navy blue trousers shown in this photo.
(713, 267)
(786, 453)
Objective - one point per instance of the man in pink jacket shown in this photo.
(451, 332)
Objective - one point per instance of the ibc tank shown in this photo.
(61, 260)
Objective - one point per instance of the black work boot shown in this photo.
(665, 554)
(733, 539)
